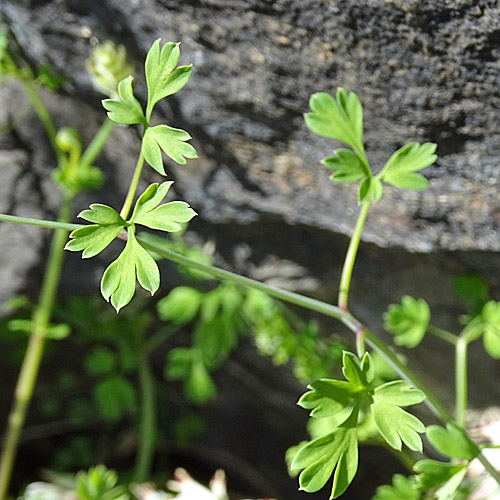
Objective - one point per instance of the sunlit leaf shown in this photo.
(432, 474)
(167, 217)
(403, 488)
(336, 452)
(340, 118)
(172, 141)
(118, 281)
(452, 442)
(395, 424)
(399, 169)
(94, 238)
(162, 78)
(129, 109)
(347, 165)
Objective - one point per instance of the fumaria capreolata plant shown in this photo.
(342, 402)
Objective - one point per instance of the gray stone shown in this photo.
(424, 71)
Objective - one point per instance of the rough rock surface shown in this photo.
(424, 70)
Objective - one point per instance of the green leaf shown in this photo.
(167, 217)
(115, 398)
(178, 363)
(180, 306)
(370, 189)
(129, 109)
(340, 118)
(347, 165)
(200, 387)
(99, 483)
(413, 181)
(394, 423)
(359, 373)
(187, 364)
(93, 239)
(449, 489)
(172, 141)
(58, 332)
(400, 167)
(452, 442)
(403, 488)
(490, 316)
(432, 474)
(161, 77)
(54, 332)
(331, 397)
(328, 397)
(408, 321)
(473, 290)
(216, 338)
(100, 361)
(337, 451)
(118, 281)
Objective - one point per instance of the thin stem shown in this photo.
(159, 337)
(350, 257)
(461, 380)
(49, 224)
(127, 204)
(45, 118)
(147, 425)
(443, 334)
(97, 143)
(360, 342)
(34, 351)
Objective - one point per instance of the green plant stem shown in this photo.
(45, 118)
(34, 351)
(461, 379)
(323, 308)
(147, 430)
(159, 337)
(97, 143)
(443, 334)
(48, 224)
(350, 257)
(127, 204)
(360, 342)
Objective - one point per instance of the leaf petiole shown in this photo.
(350, 258)
(129, 200)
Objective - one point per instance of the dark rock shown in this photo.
(424, 71)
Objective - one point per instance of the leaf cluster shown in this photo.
(217, 324)
(99, 483)
(285, 338)
(220, 316)
(441, 479)
(341, 118)
(118, 281)
(163, 79)
(337, 451)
